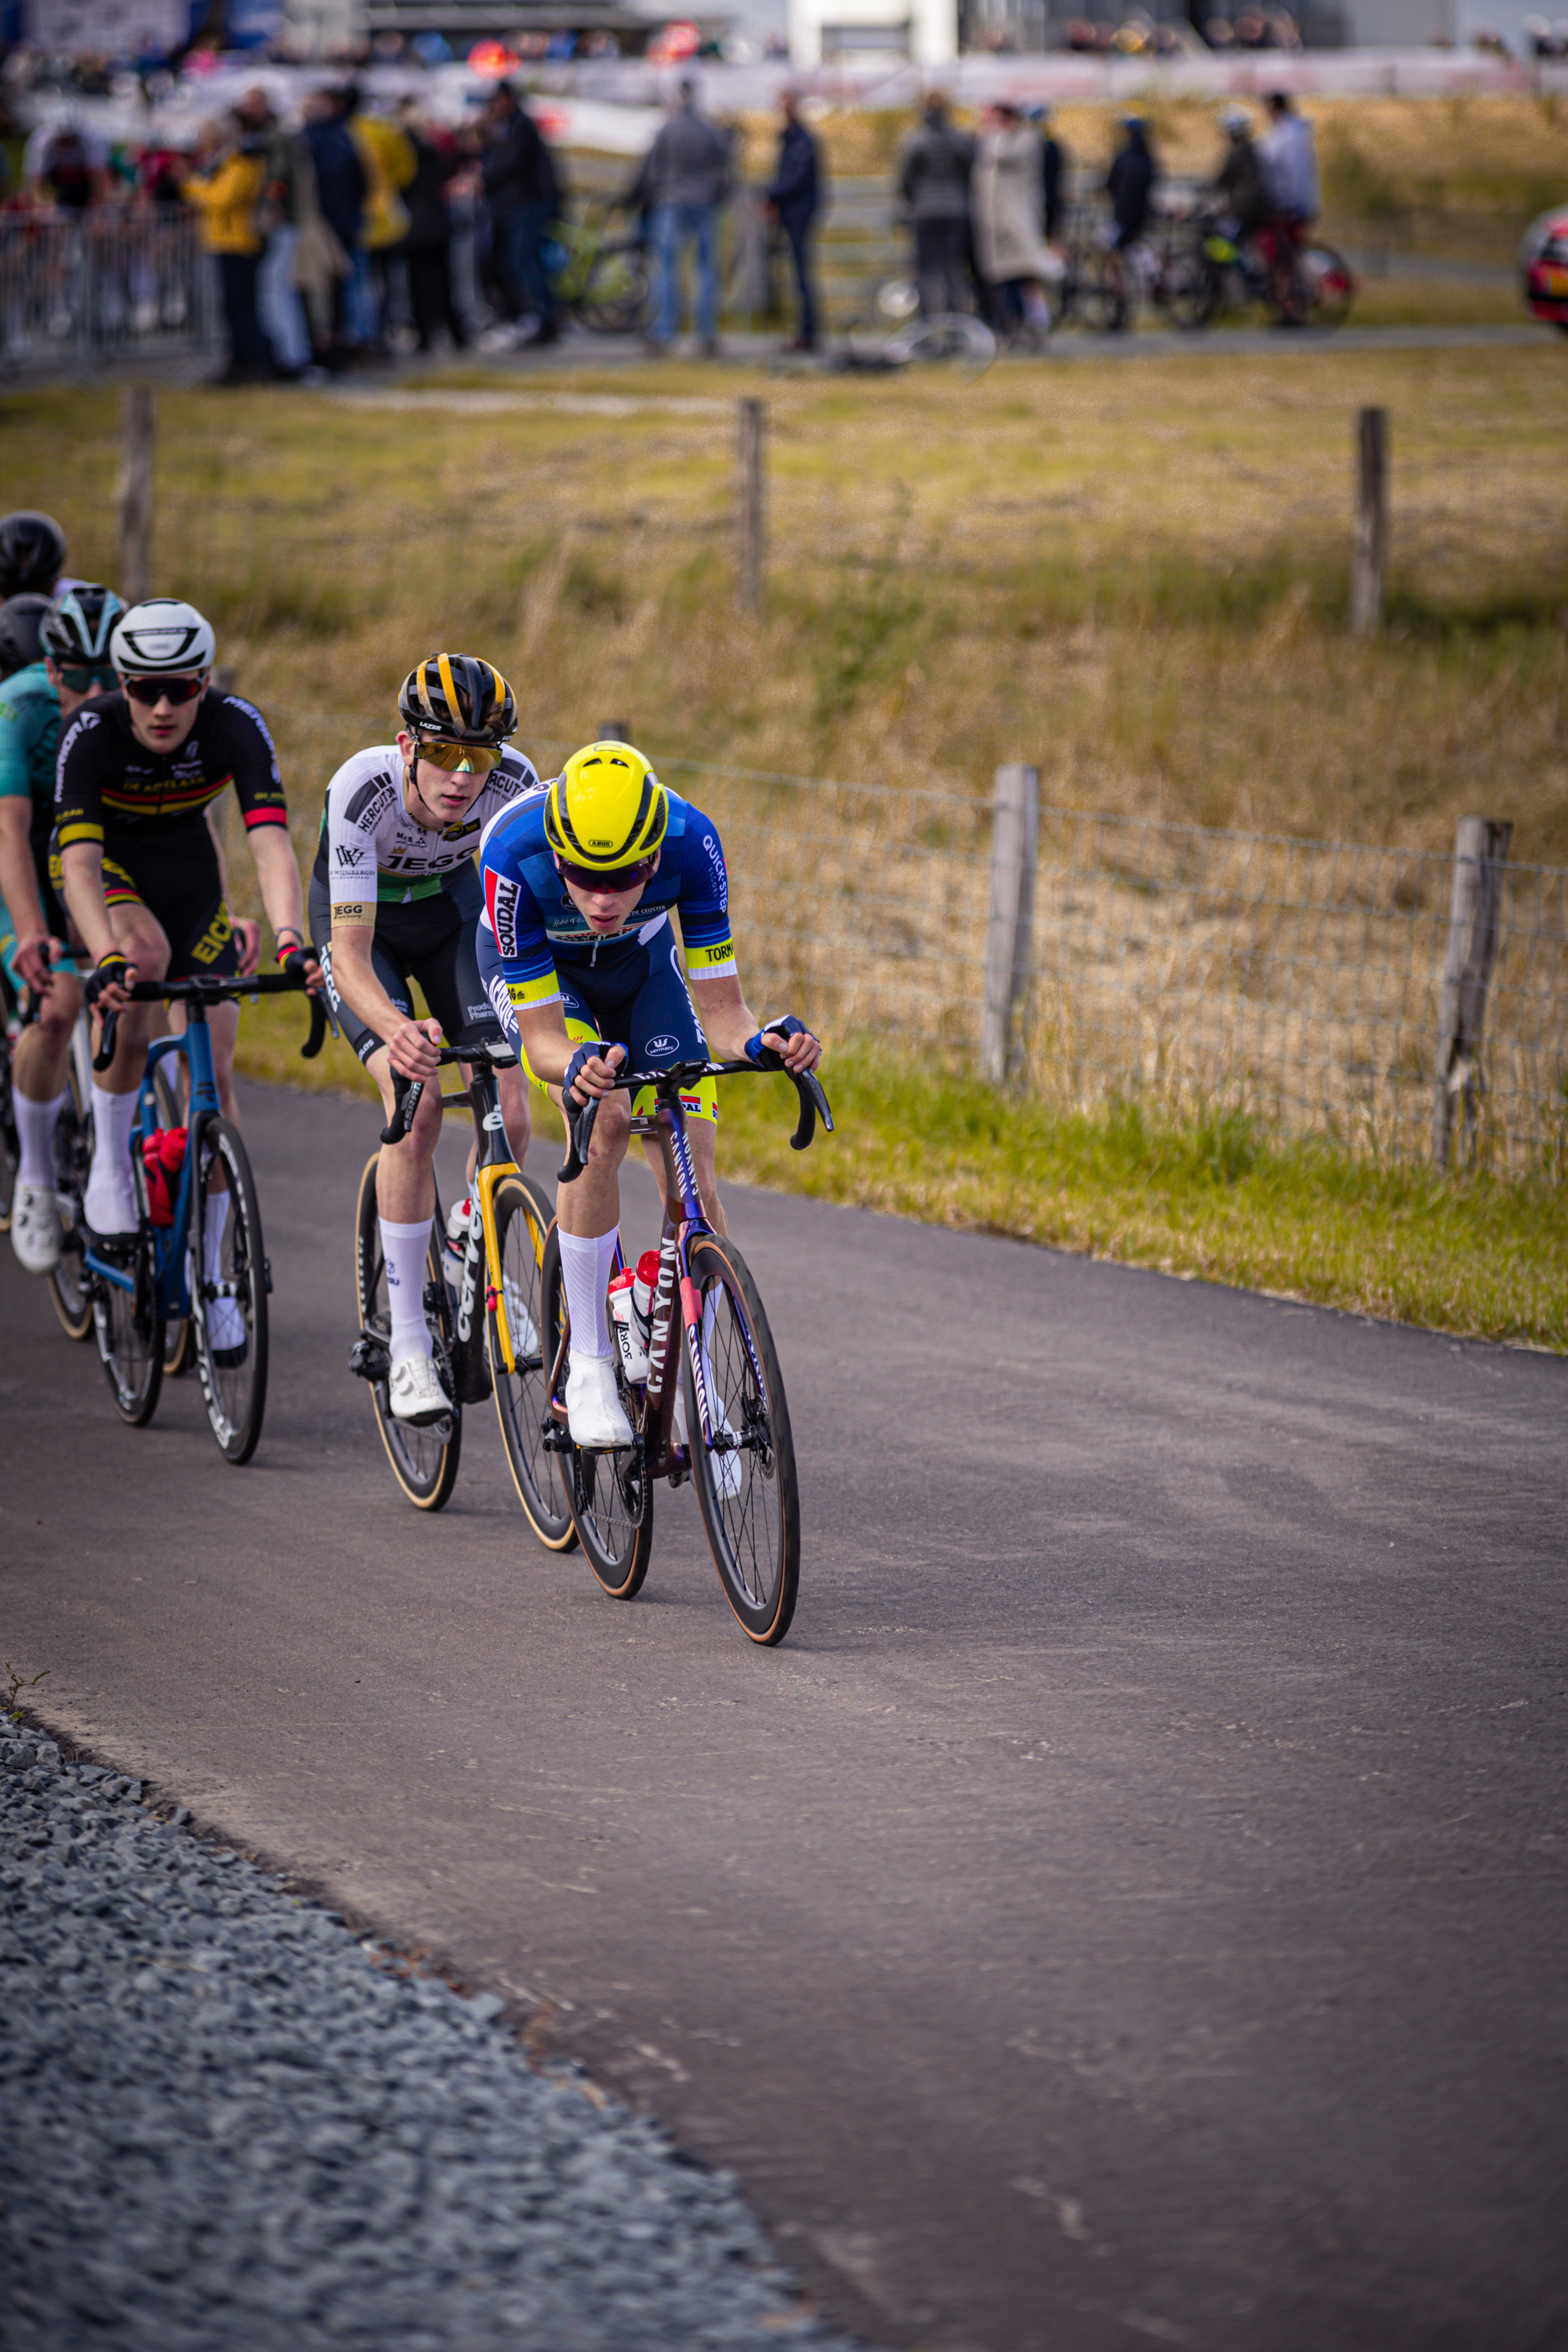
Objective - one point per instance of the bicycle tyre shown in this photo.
(131, 1337)
(614, 296)
(1327, 282)
(761, 1586)
(523, 1222)
(610, 1495)
(1192, 291)
(966, 342)
(68, 1292)
(423, 1461)
(179, 1337)
(234, 1379)
(10, 1141)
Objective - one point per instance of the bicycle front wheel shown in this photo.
(746, 1487)
(228, 1281)
(423, 1460)
(73, 1158)
(610, 1495)
(522, 1223)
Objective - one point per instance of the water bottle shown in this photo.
(630, 1302)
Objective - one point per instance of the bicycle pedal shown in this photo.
(369, 1361)
(557, 1440)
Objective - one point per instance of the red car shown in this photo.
(1543, 264)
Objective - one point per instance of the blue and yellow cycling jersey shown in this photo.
(540, 936)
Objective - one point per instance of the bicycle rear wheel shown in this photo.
(522, 1223)
(229, 1282)
(614, 298)
(610, 1495)
(747, 1492)
(1327, 285)
(129, 1335)
(423, 1461)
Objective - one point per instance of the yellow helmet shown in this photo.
(606, 809)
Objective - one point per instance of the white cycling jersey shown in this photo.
(373, 852)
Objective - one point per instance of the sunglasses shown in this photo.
(82, 681)
(151, 691)
(453, 757)
(620, 878)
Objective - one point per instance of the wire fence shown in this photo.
(107, 285)
(1188, 966)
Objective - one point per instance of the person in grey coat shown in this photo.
(934, 182)
(686, 180)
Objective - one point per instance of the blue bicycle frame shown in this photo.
(171, 1300)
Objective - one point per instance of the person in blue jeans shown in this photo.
(686, 179)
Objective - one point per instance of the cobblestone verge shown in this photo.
(224, 2126)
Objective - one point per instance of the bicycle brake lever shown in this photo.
(406, 1094)
(318, 1037)
(581, 1128)
(813, 1106)
(105, 1054)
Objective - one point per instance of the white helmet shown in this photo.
(162, 635)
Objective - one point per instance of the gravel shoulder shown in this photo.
(231, 2127)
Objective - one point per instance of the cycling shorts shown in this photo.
(431, 941)
(177, 877)
(639, 1001)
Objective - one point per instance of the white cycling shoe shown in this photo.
(594, 1414)
(727, 1472)
(108, 1204)
(413, 1387)
(36, 1227)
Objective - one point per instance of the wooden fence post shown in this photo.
(133, 493)
(615, 730)
(1009, 940)
(1370, 522)
(749, 553)
(1475, 923)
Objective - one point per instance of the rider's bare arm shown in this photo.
(729, 1026)
(19, 889)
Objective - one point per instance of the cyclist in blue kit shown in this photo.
(582, 967)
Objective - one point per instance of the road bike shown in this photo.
(475, 1353)
(1236, 272)
(716, 1345)
(188, 1254)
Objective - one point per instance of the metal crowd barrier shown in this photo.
(103, 285)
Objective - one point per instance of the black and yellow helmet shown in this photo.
(458, 699)
(606, 809)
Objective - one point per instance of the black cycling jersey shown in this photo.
(110, 787)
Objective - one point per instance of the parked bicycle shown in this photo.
(737, 1447)
(477, 1351)
(601, 279)
(1237, 273)
(190, 1257)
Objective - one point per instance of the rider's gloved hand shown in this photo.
(112, 971)
(785, 1026)
(585, 1053)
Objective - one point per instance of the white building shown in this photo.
(824, 32)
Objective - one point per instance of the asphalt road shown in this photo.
(1131, 1907)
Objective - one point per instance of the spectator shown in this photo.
(688, 178)
(427, 247)
(341, 186)
(933, 181)
(1289, 161)
(523, 195)
(1240, 182)
(1129, 183)
(794, 196)
(68, 161)
(1015, 261)
(228, 195)
(387, 154)
(1053, 175)
(279, 306)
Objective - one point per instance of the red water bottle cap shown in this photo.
(647, 1268)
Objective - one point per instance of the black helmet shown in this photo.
(79, 623)
(19, 627)
(32, 552)
(458, 699)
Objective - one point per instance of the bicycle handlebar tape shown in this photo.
(813, 1106)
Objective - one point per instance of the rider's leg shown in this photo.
(109, 1205)
(39, 1070)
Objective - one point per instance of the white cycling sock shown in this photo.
(585, 1261)
(113, 1117)
(216, 1218)
(36, 1124)
(405, 1249)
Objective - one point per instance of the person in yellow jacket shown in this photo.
(390, 162)
(228, 194)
